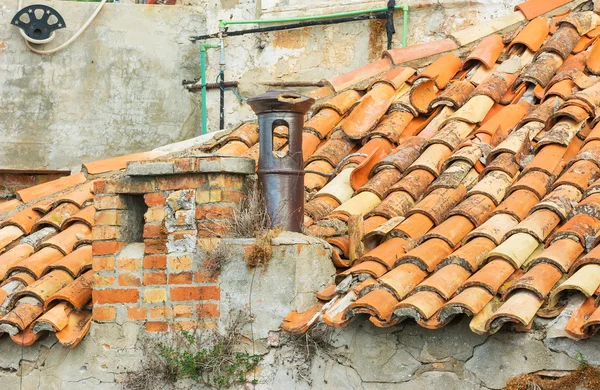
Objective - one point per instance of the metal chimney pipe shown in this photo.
(281, 174)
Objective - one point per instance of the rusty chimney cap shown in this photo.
(281, 101)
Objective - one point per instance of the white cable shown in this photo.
(67, 43)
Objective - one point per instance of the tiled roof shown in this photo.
(476, 176)
(46, 256)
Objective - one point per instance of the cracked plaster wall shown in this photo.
(117, 89)
(360, 356)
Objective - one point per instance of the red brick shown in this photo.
(181, 278)
(208, 228)
(225, 181)
(157, 326)
(108, 217)
(180, 262)
(154, 231)
(109, 202)
(106, 248)
(201, 293)
(99, 281)
(183, 311)
(181, 235)
(127, 264)
(151, 278)
(155, 199)
(183, 164)
(136, 313)
(154, 214)
(232, 196)
(104, 313)
(184, 325)
(156, 261)
(115, 296)
(214, 211)
(20, 179)
(106, 263)
(99, 186)
(160, 313)
(181, 182)
(208, 310)
(129, 279)
(206, 277)
(155, 247)
(129, 185)
(100, 233)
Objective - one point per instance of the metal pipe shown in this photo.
(404, 24)
(194, 86)
(290, 26)
(306, 21)
(389, 24)
(225, 23)
(203, 47)
(294, 83)
(222, 84)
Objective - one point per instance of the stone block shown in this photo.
(150, 168)
(226, 164)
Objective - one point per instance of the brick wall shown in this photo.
(151, 234)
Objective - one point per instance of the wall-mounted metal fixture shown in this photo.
(316, 20)
(386, 13)
(39, 22)
(281, 174)
(203, 47)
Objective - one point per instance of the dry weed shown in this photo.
(262, 251)
(251, 219)
(216, 258)
(586, 377)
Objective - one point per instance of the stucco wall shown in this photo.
(118, 90)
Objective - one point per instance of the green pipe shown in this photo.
(404, 24)
(203, 47)
(403, 7)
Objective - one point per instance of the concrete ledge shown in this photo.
(206, 163)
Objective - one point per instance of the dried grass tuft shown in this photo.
(251, 219)
(262, 250)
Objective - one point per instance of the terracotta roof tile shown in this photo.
(57, 216)
(9, 205)
(415, 52)
(486, 52)
(116, 163)
(534, 8)
(52, 187)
